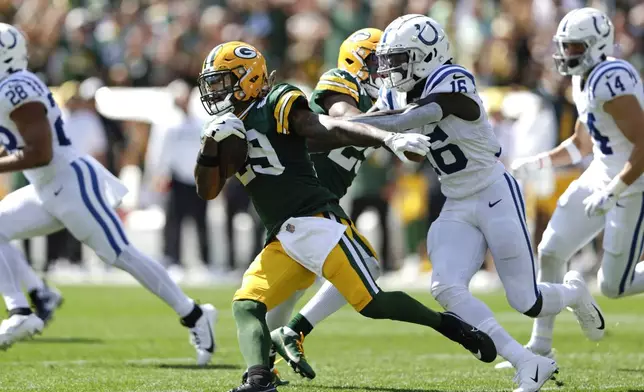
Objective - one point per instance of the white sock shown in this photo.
(475, 312)
(551, 269)
(281, 314)
(155, 278)
(30, 280)
(9, 279)
(324, 303)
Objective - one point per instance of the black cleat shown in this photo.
(45, 302)
(250, 386)
(475, 341)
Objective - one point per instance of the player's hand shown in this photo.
(524, 167)
(221, 127)
(599, 203)
(399, 143)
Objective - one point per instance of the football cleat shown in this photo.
(277, 380)
(534, 372)
(588, 313)
(507, 365)
(249, 386)
(19, 327)
(290, 347)
(45, 302)
(202, 335)
(475, 341)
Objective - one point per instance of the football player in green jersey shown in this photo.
(308, 233)
(348, 90)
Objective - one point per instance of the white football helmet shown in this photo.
(13, 50)
(411, 47)
(589, 27)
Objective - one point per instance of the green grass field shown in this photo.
(124, 339)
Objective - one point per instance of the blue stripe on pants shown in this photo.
(99, 197)
(632, 255)
(510, 180)
(92, 210)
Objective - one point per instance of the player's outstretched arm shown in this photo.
(329, 133)
(430, 109)
(33, 125)
(629, 118)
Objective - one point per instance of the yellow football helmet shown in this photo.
(233, 72)
(358, 57)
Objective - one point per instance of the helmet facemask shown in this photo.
(396, 70)
(574, 57)
(218, 90)
(373, 81)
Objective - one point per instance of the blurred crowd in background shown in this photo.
(80, 46)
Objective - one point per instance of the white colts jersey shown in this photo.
(467, 157)
(16, 90)
(611, 149)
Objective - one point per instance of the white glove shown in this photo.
(221, 127)
(603, 200)
(524, 167)
(399, 143)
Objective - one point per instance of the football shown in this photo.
(414, 157)
(232, 155)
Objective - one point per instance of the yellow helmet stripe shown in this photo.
(340, 80)
(283, 109)
(337, 87)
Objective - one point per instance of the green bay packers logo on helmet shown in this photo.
(360, 35)
(245, 52)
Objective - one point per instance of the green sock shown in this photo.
(252, 332)
(396, 305)
(299, 324)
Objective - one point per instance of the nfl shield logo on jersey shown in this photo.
(290, 228)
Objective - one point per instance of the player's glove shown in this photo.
(399, 143)
(603, 200)
(524, 167)
(221, 127)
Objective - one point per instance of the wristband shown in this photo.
(573, 151)
(544, 160)
(616, 186)
(208, 160)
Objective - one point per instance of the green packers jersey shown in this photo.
(338, 168)
(278, 173)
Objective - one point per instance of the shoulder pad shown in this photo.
(281, 99)
(611, 79)
(450, 79)
(20, 88)
(339, 81)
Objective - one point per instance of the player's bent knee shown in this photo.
(609, 288)
(449, 296)
(534, 311)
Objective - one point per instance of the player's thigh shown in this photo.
(82, 206)
(623, 244)
(502, 219)
(456, 250)
(22, 215)
(569, 228)
(273, 277)
(347, 268)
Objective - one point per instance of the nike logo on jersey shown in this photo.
(536, 375)
(493, 204)
(457, 77)
(601, 318)
(610, 75)
(58, 191)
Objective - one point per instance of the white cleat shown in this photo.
(534, 372)
(202, 335)
(19, 327)
(588, 313)
(507, 365)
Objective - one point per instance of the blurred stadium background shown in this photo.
(110, 64)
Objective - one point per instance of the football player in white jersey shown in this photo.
(68, 189)
(609, 195)
(484, 207)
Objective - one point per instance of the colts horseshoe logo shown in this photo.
(15, 40)
(245, 52)
(420, 34)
